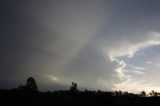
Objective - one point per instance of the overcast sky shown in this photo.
(99, 44)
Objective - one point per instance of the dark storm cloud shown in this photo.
(21, 40)
(73, 40)
(131, 20)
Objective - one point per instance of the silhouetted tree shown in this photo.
(74, 87)
(143, 94)
(31, 84)
(118, 93)
(154, 93)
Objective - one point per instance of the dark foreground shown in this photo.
(78, 98)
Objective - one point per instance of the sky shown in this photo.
(99, 44)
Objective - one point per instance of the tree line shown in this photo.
(31, 86)
(29, 95)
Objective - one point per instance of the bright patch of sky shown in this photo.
(142, 70)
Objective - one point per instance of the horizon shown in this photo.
(22, 87)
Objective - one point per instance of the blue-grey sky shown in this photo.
(100, 44)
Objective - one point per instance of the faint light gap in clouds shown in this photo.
(129, 84)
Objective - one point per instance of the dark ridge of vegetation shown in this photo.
(28, 95)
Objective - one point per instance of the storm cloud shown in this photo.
(93, 43)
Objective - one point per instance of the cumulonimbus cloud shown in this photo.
(77, 41)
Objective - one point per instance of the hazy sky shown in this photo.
(100, 44)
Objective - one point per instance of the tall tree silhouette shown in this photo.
(74, 87)
(31, 84)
